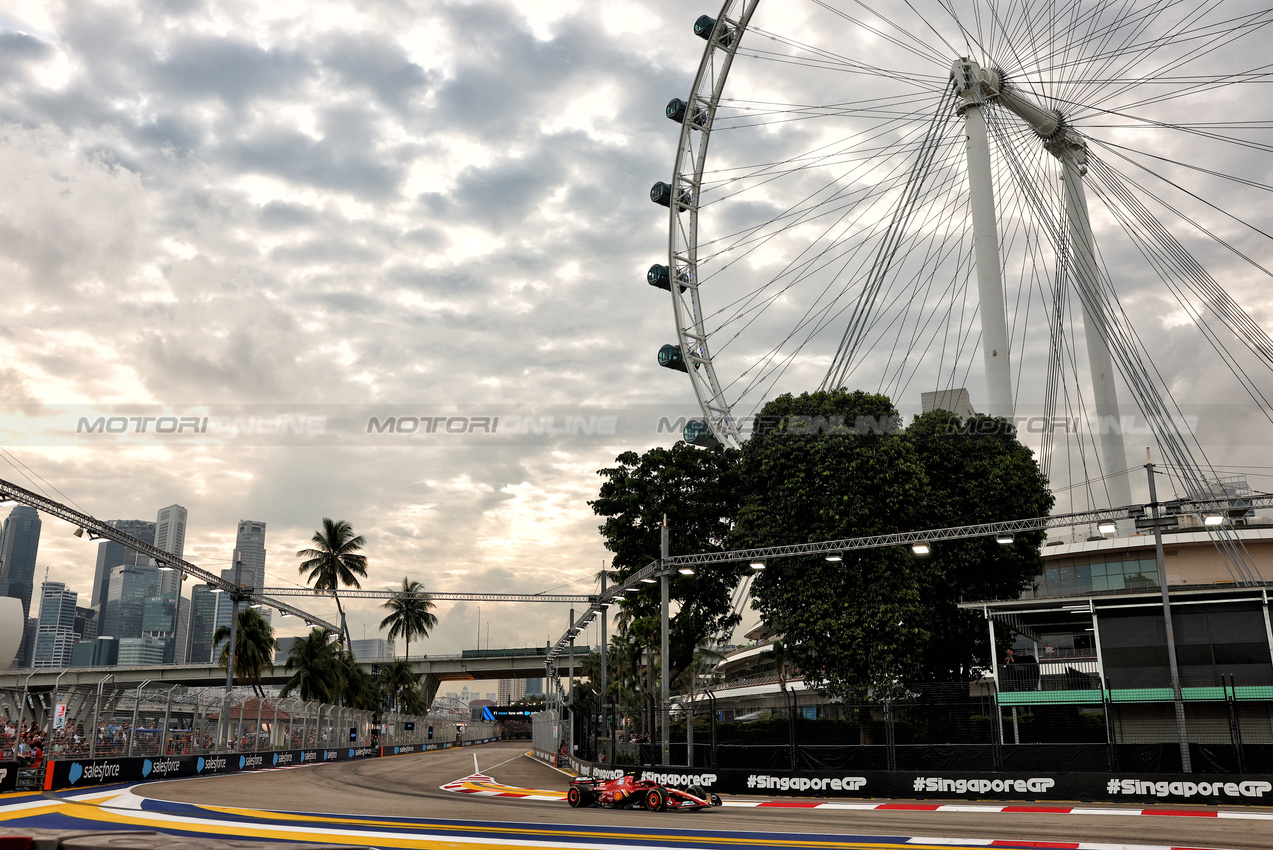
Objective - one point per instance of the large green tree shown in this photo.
(410, 613)
(831, 465)
(699, 491)
(334, 562)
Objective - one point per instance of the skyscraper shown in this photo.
(18, 546)
(158, 621)
(111, 554)
(203, 622)
(249, 546)
(125, 603)
(170, 535)
(55, 630)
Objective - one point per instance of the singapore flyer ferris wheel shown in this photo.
(1034, 201)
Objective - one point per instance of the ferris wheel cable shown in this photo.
(1122, 153)
(862, 213)
(1121, 58)
(1155, 261)
(1212, 43)
(744, 177)
(806, 161)
(804, 219)
(1217, 299)
(884, 258)
(786, 361)
(911, 44)
(832, 60)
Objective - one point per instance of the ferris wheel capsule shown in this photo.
(660, 276)
(699, 433)
(670, 357)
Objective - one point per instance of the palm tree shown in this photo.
(254, 647)
(333, 562)
(396, 680)
(312, 663)
(409, 613)
(358, 689)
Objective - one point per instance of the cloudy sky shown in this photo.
(297, 217)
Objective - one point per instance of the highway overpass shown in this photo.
(434, 669)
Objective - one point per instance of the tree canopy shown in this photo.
(830, 465)
(699, 491)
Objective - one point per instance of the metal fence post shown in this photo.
(164, 736)
(132, 730)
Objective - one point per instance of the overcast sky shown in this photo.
(317, 213)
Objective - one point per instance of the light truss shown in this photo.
(1196, 507)
(575, 598)
(98, 530)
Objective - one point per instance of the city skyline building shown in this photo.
(85, 623)
(128, 587)
(158, 620)
(249, 548)
(98, 652)
(55, 628)
(111, 555)
(203, 622)
(19, 546)
(142, 651)
(170, 536)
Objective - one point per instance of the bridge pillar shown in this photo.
(429, 684)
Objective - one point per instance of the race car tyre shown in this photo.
(656, 800)
(577, 797)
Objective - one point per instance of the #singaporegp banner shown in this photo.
(939, 786)
(82, 773)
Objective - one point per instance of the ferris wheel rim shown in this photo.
(723, 40)
(720, 415)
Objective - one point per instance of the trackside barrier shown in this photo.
(1256, 790)
(546, 738)
(130, 839)
(82, 773)
(8, 776)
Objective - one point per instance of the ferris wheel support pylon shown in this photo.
(976, 85)
(985, 229)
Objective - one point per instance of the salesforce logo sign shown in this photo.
(77, 770)
(241, 760)
(198, 768)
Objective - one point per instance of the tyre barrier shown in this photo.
(83, 773)
(939, 785)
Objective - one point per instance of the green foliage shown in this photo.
(831, 465)
(699, 490)
(333, 562)
(254, 647)
(312, 663)
(410, 613)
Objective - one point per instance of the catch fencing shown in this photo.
(106, 721)
(960, 727)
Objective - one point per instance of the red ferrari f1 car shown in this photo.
(628, 792)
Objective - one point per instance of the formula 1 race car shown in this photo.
(628, 792)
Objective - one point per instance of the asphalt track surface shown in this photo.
(399, 800)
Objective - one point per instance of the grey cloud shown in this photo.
(16, 50)
(344, 160)
(363, 61)
(234, 72)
